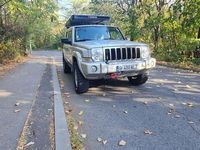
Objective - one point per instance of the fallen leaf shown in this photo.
(105, 142)
(177, 116)
(172, 105)
(122, 143)
(68, 96)
(67, 112)
(75, 127)
(66, 93)
(145, 103)
(126, 112)
(29, 144)
(184, 103)
(191, 122)
(17, 104)
(84, 136)
(17, 110)
(132, 92)
(66, 103)
(189, 87)
(80, 123)
(175, 90)
(147, 132)
(99, 139)
(169, 113)
(80, 113)
(87, 100)
(190, 105)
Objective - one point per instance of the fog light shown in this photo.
(94, 68)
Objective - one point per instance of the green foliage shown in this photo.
(170, 28)
(9, 50)
(22, 22)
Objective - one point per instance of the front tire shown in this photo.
(80, 82)
(138, 80)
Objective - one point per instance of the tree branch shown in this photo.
(5, 3)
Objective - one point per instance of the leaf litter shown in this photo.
(147, 132)
(122, 143)
(84, 136)
(80, 113)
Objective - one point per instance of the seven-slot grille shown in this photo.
(122, 53)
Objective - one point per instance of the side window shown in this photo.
(69, 35)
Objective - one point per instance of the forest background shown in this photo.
(170, 27)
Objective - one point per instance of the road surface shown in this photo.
(162, 114)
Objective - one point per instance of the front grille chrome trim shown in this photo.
(122, 53)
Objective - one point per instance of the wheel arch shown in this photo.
(76, 58)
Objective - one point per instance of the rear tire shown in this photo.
(80, 82)
(138, 80)
(66, 67)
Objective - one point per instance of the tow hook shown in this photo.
(114, 75)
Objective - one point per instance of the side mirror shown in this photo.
(66, 41)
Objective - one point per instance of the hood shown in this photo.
(107, 43)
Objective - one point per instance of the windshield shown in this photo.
(88, 33)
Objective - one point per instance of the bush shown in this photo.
(9, 50)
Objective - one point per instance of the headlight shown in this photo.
(97, 54)
(145, 52)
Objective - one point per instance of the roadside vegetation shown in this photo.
(27, 21)
(171, 28)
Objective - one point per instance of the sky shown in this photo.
(63, 4)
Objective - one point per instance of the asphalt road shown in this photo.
(29, 85)
(163, 114)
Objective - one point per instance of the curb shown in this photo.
(62, 138)
(176, 66)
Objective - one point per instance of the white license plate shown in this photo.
(125, 68)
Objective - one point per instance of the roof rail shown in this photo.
(75, 20)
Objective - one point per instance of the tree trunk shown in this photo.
(197, 51)
(156, 37)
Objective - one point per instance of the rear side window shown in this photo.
(69, 35)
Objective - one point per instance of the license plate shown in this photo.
(125, 68)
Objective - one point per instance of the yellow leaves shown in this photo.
(190, 105)
(80, 113)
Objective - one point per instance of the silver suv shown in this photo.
(93, 50)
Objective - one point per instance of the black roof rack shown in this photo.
(75, 20)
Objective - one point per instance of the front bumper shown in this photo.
(100, 70)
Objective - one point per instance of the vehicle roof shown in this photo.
(93, 25)
(76, 20)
